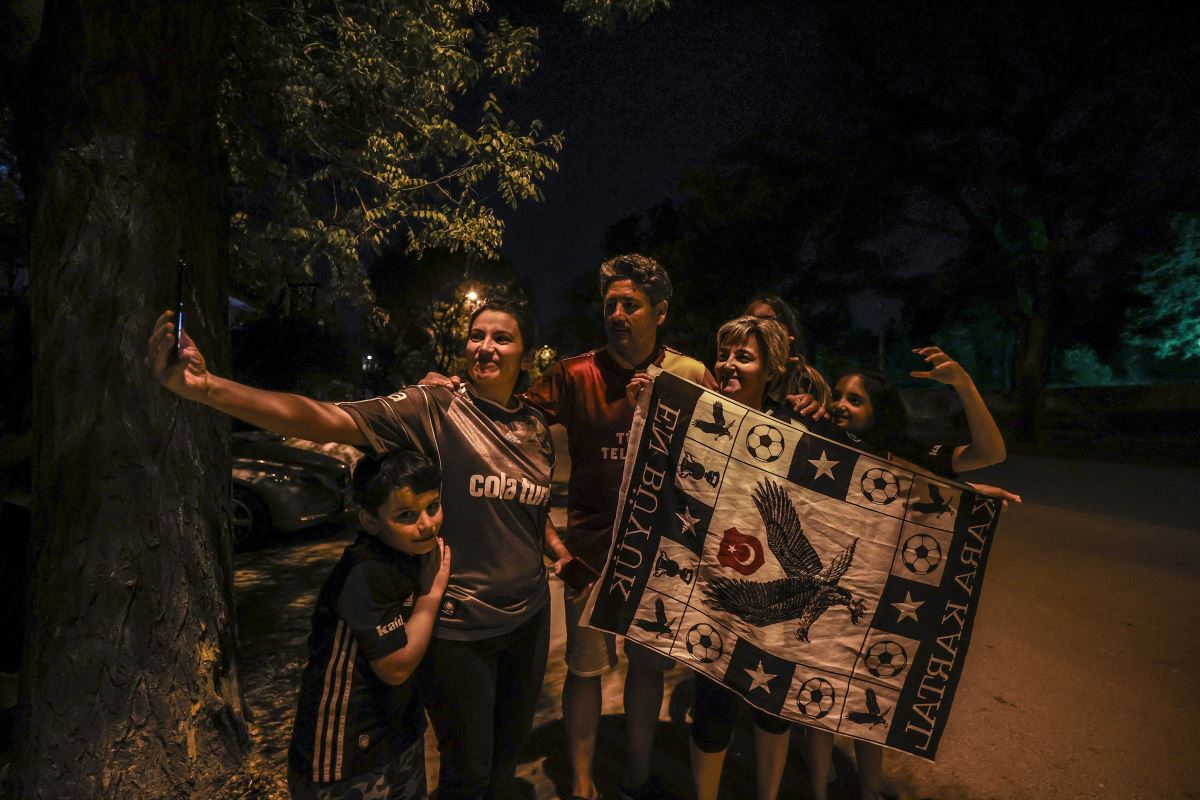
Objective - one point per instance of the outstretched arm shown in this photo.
(997, 492)
(987, 445)
(287, 414)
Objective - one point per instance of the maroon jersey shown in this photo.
(496, 465)
(586, 394)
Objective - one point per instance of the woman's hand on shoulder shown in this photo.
(439, 380)
(807, 405)
(943, 368)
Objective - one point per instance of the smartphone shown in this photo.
(180, 284)
(577, 574)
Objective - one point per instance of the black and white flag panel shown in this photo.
(821, 583)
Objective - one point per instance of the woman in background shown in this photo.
(803, 379)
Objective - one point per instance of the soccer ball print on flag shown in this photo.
(823, 584)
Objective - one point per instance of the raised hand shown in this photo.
(186, 376)
(435, 569)
(635, 386)
(807, 405)
(943, 368)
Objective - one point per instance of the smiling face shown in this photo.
(631, 322)
(742, 371)
(852, 407)
(495, 355)
(405, 521)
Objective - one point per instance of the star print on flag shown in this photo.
(759, 674)
(687, 522)
(819, 582)
(907, 608)
(824, 466)
(760, 678)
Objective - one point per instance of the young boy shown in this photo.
(359, 725)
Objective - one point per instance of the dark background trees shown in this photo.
(271, 146)
(1167, 319)
(1046, 147)
(999, 176)
(772, 214)
(991, 176)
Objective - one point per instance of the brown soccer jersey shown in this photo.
(496, 465)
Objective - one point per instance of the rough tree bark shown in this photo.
(129, 682)
(1033, 353)
(1029, 380)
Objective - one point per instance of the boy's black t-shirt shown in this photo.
(348, 721)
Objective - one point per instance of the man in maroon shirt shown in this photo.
(586, 394)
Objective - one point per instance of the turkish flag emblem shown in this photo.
(739, 552)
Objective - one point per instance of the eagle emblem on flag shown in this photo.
(809, 588)
(821, 583)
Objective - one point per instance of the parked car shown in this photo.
(285, 485)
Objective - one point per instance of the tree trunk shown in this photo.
(1029, 382)
(129, 684)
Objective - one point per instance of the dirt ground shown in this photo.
(276, 586)
(1110, 549)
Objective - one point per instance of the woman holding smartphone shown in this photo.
(483, 671)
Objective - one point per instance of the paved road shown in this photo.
(1082, 680)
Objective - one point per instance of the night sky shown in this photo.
(638, 106)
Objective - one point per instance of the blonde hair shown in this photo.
(785, 377)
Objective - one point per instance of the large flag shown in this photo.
(822, 584)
